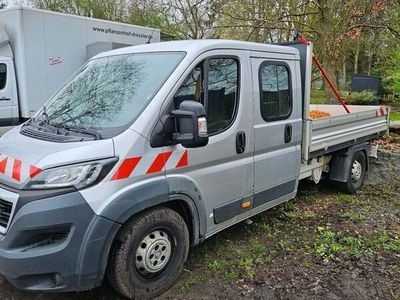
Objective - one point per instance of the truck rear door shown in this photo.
(277, 127)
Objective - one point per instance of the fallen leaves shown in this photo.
(390, 143)
(318, 114)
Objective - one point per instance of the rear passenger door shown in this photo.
(277, 129)
(222, 171)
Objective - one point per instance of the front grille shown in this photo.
(5, 214)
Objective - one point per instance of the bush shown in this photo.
(361, 98)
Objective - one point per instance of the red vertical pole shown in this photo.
(334, 89)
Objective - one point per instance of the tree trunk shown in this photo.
(356, 57)
(369, 62)
(344, 72)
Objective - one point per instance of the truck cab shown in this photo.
(150, 149)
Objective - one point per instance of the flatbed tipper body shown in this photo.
(342, 129)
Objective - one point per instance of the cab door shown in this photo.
(8, 101)
(277, 128)
(222, 171)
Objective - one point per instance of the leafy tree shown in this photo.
(392, 73)
(353, 36)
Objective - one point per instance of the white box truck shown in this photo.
(40, 50)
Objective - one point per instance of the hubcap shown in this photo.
(356, 171)
(153, 253)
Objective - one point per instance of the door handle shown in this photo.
(5, 99)
(288, 133)
(240, 142)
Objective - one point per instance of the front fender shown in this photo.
(151, 194)
(137, 199)
(180, 184)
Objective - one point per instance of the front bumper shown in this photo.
(56, 244)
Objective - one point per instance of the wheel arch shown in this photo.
(179, 193)
(341, 162)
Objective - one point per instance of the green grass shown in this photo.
(352, 200)
(330, 245)
(218, 265)
(232, 276)
(320, 224)
(395, 116)
(189, 282)
(353, 216)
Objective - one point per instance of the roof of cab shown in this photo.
(200, 46)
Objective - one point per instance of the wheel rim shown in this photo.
(356, 171)
(153, 253)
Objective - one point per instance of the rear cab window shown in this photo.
(215, 83)
(275, 91)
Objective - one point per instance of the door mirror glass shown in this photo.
(190, 124)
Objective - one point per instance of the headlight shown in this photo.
(78, 176)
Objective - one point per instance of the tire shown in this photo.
(148, 254)
(355, 178)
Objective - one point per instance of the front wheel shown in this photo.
(356, 175)
(149, 254)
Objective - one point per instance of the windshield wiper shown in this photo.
(42, 120)
(82, 130)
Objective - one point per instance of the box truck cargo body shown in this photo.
(39, 50)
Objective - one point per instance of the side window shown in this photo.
(222, 93)
(214, 83)
(192, 87)
(275, 96)
(3, 76)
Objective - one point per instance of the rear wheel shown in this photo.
(149, 254)
(356, 175)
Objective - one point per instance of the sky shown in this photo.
(11, 3)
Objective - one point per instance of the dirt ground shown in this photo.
(321, 245)
(391, 143)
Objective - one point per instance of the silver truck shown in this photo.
(148, 150)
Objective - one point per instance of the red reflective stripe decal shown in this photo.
(3, 165)
(33, 171)
(16, 172)
(126, 168)
(159, 163)
(183, 162)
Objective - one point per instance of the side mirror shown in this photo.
(190, 124)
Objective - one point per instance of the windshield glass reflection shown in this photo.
(110, 92)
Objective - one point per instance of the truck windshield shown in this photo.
(109, 93)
